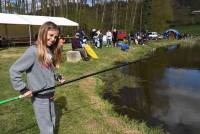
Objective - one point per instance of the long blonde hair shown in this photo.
(42, 45)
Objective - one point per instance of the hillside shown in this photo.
(158, 15)
(182, 12)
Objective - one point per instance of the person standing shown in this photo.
(100, 36)
(96, 39)
(92, 34)
(39, 62)
(114, 34)
(109, 37)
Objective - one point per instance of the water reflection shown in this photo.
(162, 91)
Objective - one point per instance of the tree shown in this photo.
(158, 14)
(33, 6)
(114, 12)
(0, 7)
(103, 13)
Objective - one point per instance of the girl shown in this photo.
(38, 62)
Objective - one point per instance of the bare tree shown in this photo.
(23, 7)
(126, 17)
(77, 7)
(114, 12)
(54, 7)
(97, 12)
(26, 6)
(33, 6)
(141, 14)
(43, 6)
(5, 5)
(93, 2)
(66, 8)
(61, 5)
(0, 7)
(104, 10)
(135, 12)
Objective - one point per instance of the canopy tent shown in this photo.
(176, 34)
(32, 20)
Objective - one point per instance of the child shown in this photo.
(38, 62)
(61, 42)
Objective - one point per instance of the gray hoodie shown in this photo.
(38, 76)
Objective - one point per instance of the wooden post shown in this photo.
(30, 33)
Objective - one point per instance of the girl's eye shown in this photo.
(56, 37)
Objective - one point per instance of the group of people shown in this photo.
(98, 38)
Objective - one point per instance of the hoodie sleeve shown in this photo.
(23, 64)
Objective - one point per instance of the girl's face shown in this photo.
(52, 36)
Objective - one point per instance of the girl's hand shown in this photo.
(27, 94)
(62, 80)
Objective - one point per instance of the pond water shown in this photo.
(163, 91)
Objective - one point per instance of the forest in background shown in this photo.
(128, 15)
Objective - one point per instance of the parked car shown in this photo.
(153, 35)
(121, 35)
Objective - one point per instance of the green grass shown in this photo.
(79, 105)
(191, 29)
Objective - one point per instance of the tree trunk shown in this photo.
(33, 7)
(104, 10)
(44, 7)
(23, 7)
(61, 8)
(54, 8)
(114, 12)
(0, 7)
(77, 6)
(141, 14)
(8, 6)
(5, 6)
(97, 12)
(125, 22)
(93, 2)
(26, 5)
(135, 12)
(66, 9)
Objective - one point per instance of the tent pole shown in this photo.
(30, 34)
(6, 31)
(6, 40)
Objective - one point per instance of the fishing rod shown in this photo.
(76, 79)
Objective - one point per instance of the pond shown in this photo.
(163, 91)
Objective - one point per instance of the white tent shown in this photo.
(31, 20)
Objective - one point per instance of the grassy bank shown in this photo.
(192, 29)
(80, 109)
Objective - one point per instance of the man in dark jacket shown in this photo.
(76, 46)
